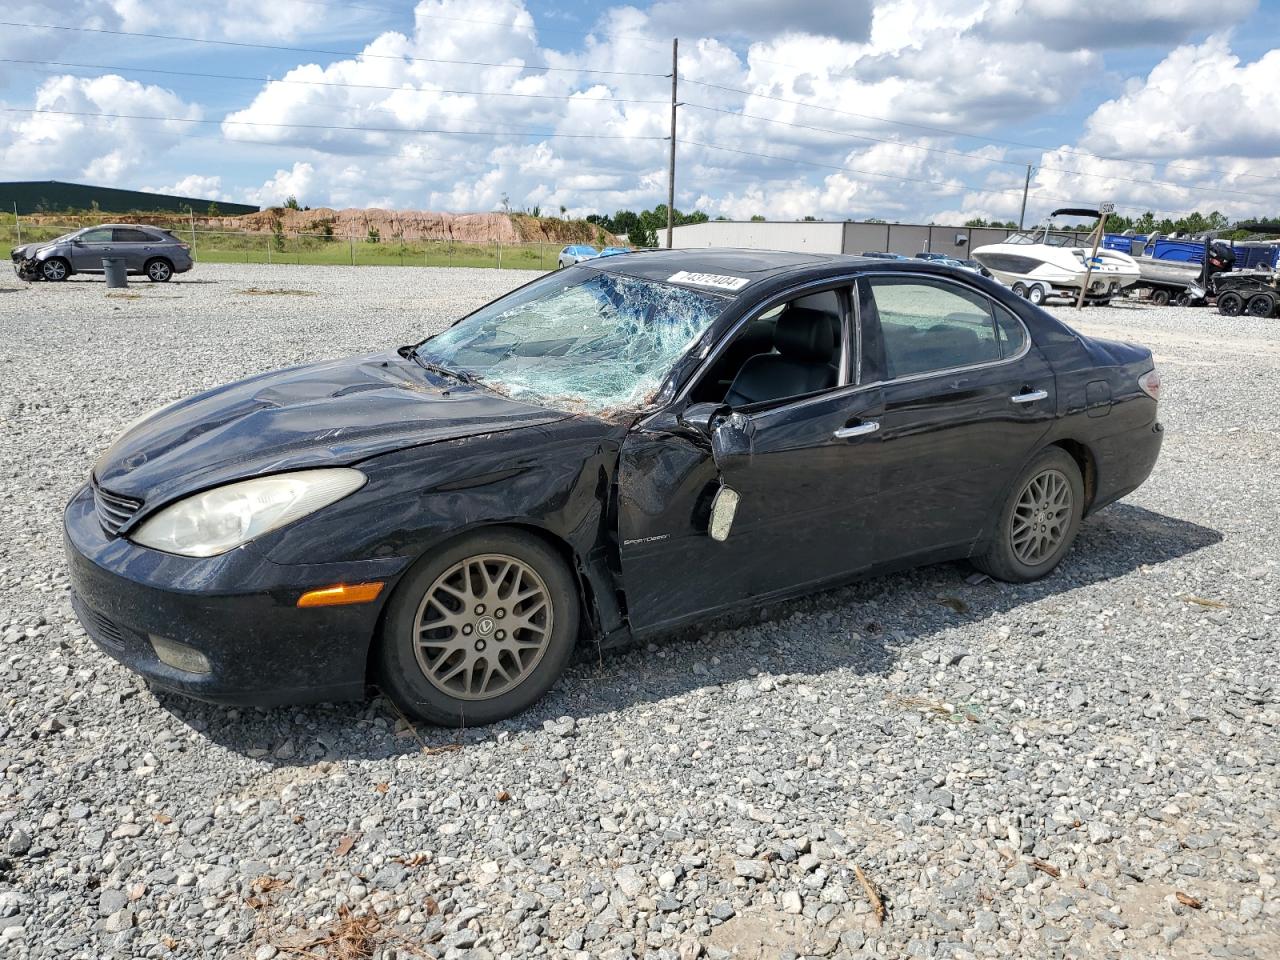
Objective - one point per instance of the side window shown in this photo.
(928, 325)
(100, 235)
(1013, 336)
(790, 350)
(129, 235)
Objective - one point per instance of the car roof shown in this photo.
(123, 226)
(753, 266)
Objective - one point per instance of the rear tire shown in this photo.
(55, 269)
(1231, 304)
(443, 646)
(1038, 521)
(1160, 298)
(1260, 305)
(159, 270)
(1036, 294)
(1020, 289)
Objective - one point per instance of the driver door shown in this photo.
(89, 248)
(806, 471)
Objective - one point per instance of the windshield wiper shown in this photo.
(462, 376)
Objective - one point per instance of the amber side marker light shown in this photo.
(340, 594)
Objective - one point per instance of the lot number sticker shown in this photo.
(708, 280)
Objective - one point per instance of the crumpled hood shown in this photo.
(25, 251)
(325, 414)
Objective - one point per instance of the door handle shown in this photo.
(858, 429)
(1031, 397)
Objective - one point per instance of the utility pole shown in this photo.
(1104, 211)
(17, 222)
(671, 169)
(1026, 185)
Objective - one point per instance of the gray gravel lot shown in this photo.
(1082, 767)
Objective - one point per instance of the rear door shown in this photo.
(90, 247)
(967, 399)
(134, 245)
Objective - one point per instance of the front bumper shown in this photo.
(238, 609)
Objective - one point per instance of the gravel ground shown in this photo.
(1082, 767)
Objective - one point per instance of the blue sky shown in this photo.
(901, 109)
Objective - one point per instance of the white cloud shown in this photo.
(71, 143)
(1207, 120)
(905, 72)
(194, 185)
(1100, 24)
(845, 19)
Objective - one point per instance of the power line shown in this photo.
(327, 126)
(696, 106)
(948, 132)
(635, 38)
(328, 53)
(323, 83)
(890, 176)
(978, 156)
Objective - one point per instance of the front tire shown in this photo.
(159, 271)
(55, 269)
(1160, 298)
(1036, 294)
(1038, 521)
(479, 630)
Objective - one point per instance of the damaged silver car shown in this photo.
(150, 251)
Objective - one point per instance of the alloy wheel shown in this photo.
(159, 271)
(1041, 517)
(54, 270)
(483, 626)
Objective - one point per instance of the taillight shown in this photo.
(1150, 384)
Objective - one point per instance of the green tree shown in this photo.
(374, 236)
(757, 218)
(292, 203)
(213, 210)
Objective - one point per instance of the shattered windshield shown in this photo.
(578, 339)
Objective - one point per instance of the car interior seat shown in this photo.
(803, 344)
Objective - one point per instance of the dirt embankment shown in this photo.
(413, 225)
(391, 225)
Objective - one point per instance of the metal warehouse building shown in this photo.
(847, 236)
(53, 196)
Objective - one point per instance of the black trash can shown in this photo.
(116, 272)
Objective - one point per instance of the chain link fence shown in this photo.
(324, 249)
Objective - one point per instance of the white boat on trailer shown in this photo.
(1044, 262)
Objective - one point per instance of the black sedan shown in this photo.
(612, 450)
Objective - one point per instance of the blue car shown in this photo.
(614, 251)
(576, 253)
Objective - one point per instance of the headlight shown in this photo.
(213, 522)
